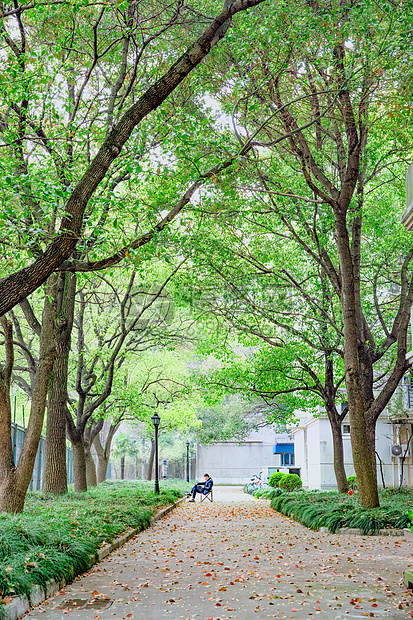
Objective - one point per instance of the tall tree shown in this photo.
(326, 152)
(131, 100)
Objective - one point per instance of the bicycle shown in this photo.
(256, 483)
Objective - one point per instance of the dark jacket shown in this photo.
(208, 486)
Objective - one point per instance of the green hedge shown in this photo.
(54, 537)
(352, 482)
(275, 478)
(290, 482)
(334, 510)
(267, 493)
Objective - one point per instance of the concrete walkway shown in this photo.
(236, 558)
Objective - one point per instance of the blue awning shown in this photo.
(281, 448)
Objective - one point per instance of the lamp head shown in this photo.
(187, 443)
(156, 420)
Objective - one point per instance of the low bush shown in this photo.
(275, 478)
(290, 482)
(54, 537)
(410, 516)
(267, 493)
(333, 510)
(259, 493)
(352, 483)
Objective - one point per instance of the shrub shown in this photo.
(267, 493)
(409, 515)
(259, 493)
(275, 478)
(352, 482)
(290, 482)
(333, 510)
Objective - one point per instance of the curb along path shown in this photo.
(236, 558)
(20, 605)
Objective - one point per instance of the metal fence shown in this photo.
(36, 483)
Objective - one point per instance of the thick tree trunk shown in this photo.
(55, 477)
(150, 461)
(104, 452)
(339, 468)
(371, 437)
(89, 435)
(102, 468)
(14, 479)
(363, 464)
(362, 458)
(79, 465)
(91, 477)
(12, 493)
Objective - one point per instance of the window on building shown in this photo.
(286, 452)
(287, 458)
(346, 429)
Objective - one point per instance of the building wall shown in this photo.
(313, 453)
(231, 463)
(313, 443)
(300, 453)
(235, 463)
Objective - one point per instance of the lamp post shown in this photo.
(187, 461)
(156, 421)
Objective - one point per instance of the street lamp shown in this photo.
(156, 421)
(187, 461)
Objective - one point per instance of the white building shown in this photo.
(313, 443)
(232, 462)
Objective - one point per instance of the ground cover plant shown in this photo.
(334, 510)
(55, 536)
(267, 493)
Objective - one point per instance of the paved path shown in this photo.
(236, 558)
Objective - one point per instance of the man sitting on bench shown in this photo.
(202, 487)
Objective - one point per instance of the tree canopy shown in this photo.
(185, 184)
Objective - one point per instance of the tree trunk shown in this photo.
(339, 468)
(102, 468)
(150, 461)
(79, 465)
(14, 479)
(122, 467)
(104, 453)
(12, 494)
(363, 464)
(91, 477)
(371, 438)
(89, 435)
(11, 499)
(55, 476)
(334, 417)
